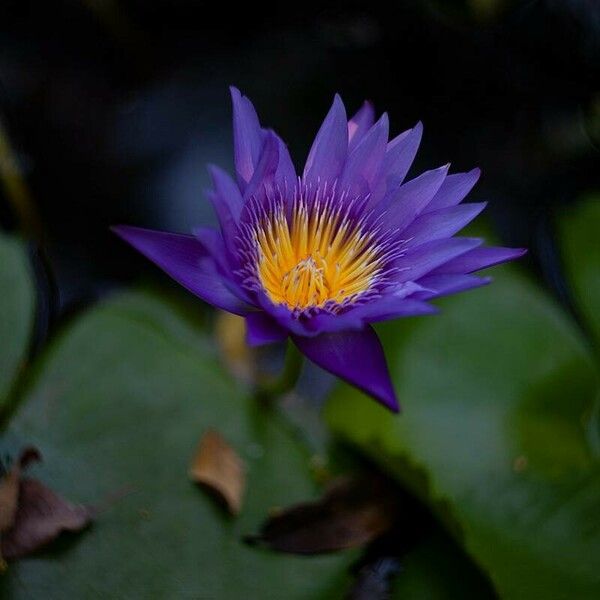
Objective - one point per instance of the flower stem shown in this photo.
(270, 388)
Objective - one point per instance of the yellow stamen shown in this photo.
(320, 256)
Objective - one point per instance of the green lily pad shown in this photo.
(17, 303)
(117, 408)
(499, 397)
(579, 228)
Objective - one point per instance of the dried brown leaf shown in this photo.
(217, 466)
(9, 495)
(41, 516)
(351, 513)
(31, 515)
(9, 488)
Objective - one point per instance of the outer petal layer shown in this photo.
(429, 256)
(360, 123)
(399, 156)
(454, 189)
(480, 258)
(355, 356)
(407, 202)
(364, 160)
(328, 152)
(185, 259)
(443, 285)
(442, 223)
(247, 137)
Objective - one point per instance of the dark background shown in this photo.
(113, 107)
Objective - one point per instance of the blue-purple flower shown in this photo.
(321, 256)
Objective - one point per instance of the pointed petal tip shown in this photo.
(388, 399)
(395, 407)
(355, 356)
(473, 242)
(338, 103)
(369, 108)
(386, 396)
(441, 169)
(475, 209)
(214, 171)
(124, 231)
(235, 94)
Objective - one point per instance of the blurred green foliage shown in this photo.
(579, 235)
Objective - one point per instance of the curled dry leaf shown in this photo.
(217, 466)
(230, 331)
(9, 495)
(351, 513)
(9, 488)
(40, 514)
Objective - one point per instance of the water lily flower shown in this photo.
(321, 256)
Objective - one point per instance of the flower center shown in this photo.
(316, 256)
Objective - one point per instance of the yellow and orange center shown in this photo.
(317, 257)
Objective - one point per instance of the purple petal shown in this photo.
(261, 329)
(390, 307)
(285, 175)
(399, 156)
(441, 223)
(247, 137)
(364, 162)
(212, 241)
(443, 285)
(359, 124)
(184, 258)
(480, 258)
(230, 200)
(274, 170)
(393, 305)
(328, 152)
(425, 258)
(264, 174)
(227, 203)
(326, 322)
(282, 315)
(454, 189)
(404, 205)
(355, 356)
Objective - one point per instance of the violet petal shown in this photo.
(355, 356)
(185, 259)
(262, 329)
(359, 124)
(328, 152)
